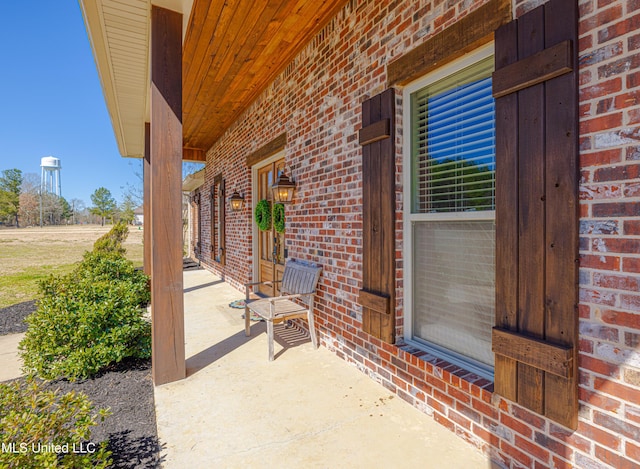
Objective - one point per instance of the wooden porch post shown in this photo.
(146, 199)
(167, 302)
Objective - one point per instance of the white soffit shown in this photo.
(193, 181)
(119, 36)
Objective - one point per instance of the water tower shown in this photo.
(50, 181)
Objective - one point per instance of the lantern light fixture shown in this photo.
(283, 189)
(236, 201)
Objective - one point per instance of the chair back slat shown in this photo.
(299, 278)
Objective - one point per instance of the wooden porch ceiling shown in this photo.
(232, 50)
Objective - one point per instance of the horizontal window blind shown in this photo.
(453, 286)
(453, 129)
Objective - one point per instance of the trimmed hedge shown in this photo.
(90, 318)
(112, 241)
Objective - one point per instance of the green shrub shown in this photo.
(42, 428)
(88, 319)
(112, 241)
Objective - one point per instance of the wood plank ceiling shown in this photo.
(232, 50)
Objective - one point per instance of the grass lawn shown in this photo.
(28, 255)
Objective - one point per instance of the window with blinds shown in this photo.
(453, 128)
(451, 225)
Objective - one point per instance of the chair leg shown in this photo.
(270, 338)
(247, 313)
(312, 328)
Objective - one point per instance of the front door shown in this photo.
(270, 242)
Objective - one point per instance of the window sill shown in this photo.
(443, 368)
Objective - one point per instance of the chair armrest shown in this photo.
(247, 286)
(268, 282)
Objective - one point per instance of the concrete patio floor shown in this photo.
(306, 409)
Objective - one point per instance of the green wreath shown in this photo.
(263, 215)
(278, 217)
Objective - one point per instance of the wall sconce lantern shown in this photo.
(236, 201)
(283, 189)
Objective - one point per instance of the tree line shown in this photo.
(24, 203)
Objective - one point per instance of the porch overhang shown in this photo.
(175, 75)
(193, 181)
(231, 51)
(119, 36)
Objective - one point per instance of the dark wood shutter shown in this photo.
(377, 296)
(536, 334)
(222, 243)
(198, 245)
(218, 252)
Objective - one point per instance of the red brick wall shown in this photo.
(316, 101)
(610, 208)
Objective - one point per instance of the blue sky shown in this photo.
(51, 102)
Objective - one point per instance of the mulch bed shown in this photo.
(126, 388)
(12, 317)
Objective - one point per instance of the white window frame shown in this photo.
(409, 217)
